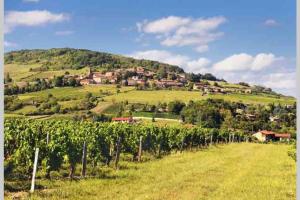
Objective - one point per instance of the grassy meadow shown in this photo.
(73, 92)
(153, 97)
(70, 96)
(20, 72)
(235, 171)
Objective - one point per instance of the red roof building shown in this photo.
(123, 119)
(265, 135)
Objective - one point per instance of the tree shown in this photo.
(175, 107)
(209, 76)
(162, 72)
(58, 81)
(7, 78)
(72, 82)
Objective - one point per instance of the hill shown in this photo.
(68, 58)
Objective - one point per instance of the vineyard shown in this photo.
(70, 143)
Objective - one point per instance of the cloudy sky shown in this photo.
(251, 41)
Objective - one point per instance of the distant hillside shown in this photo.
(68, 58)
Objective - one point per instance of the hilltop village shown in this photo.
(142, 78)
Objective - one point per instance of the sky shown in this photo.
(250, 41)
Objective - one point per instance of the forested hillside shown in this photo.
(68, 58)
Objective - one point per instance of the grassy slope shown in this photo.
(235, 171)
(17, 72)
(77, 92)
(21, 72)
(153, 97)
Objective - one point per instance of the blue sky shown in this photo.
(251, 41)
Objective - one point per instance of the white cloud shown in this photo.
(243, 62)
(271, 22)
(184, 31)
(64, 33)
(281, 80)
(163, 25)
(202, 48)
(13, 19)
(198, 66)
(185, 62)
(161, 56)
(9, 44)
(31, 1)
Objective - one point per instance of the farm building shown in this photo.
(265, 136)
(99, 77)
(86, 81)
(123, 119)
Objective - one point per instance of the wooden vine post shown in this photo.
(84, 153)
(140, 149)
(182, 144)
(211, 140)
(47, 138)
(34, 169)
(118, 151)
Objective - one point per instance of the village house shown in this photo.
(265, 136)
(140, 70)
(135, 78)
(149, 74)
(86, 81)
(112, 80)
(109, 74)
(199, 86)
(131, 82)
(248, 91)
(141, 82)
(98, 77)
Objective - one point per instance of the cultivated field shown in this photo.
(153, 97)
(73, 92)
(22, 72)
(234, 171)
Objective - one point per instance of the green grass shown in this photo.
(73, 92)
(153, 97)
(25, 110)
(158, 115)
(68, 104)
(229, 85)
(235, 171)
(47, 74)
(17, 72)
(22, 72)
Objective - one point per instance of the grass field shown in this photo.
(22, 72)
(236, 171)
(17, 72)
(73, 92)
(153, 97)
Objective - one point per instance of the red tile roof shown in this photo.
(121, 119)
(279, 135)
(283, 135)
(265, 132)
